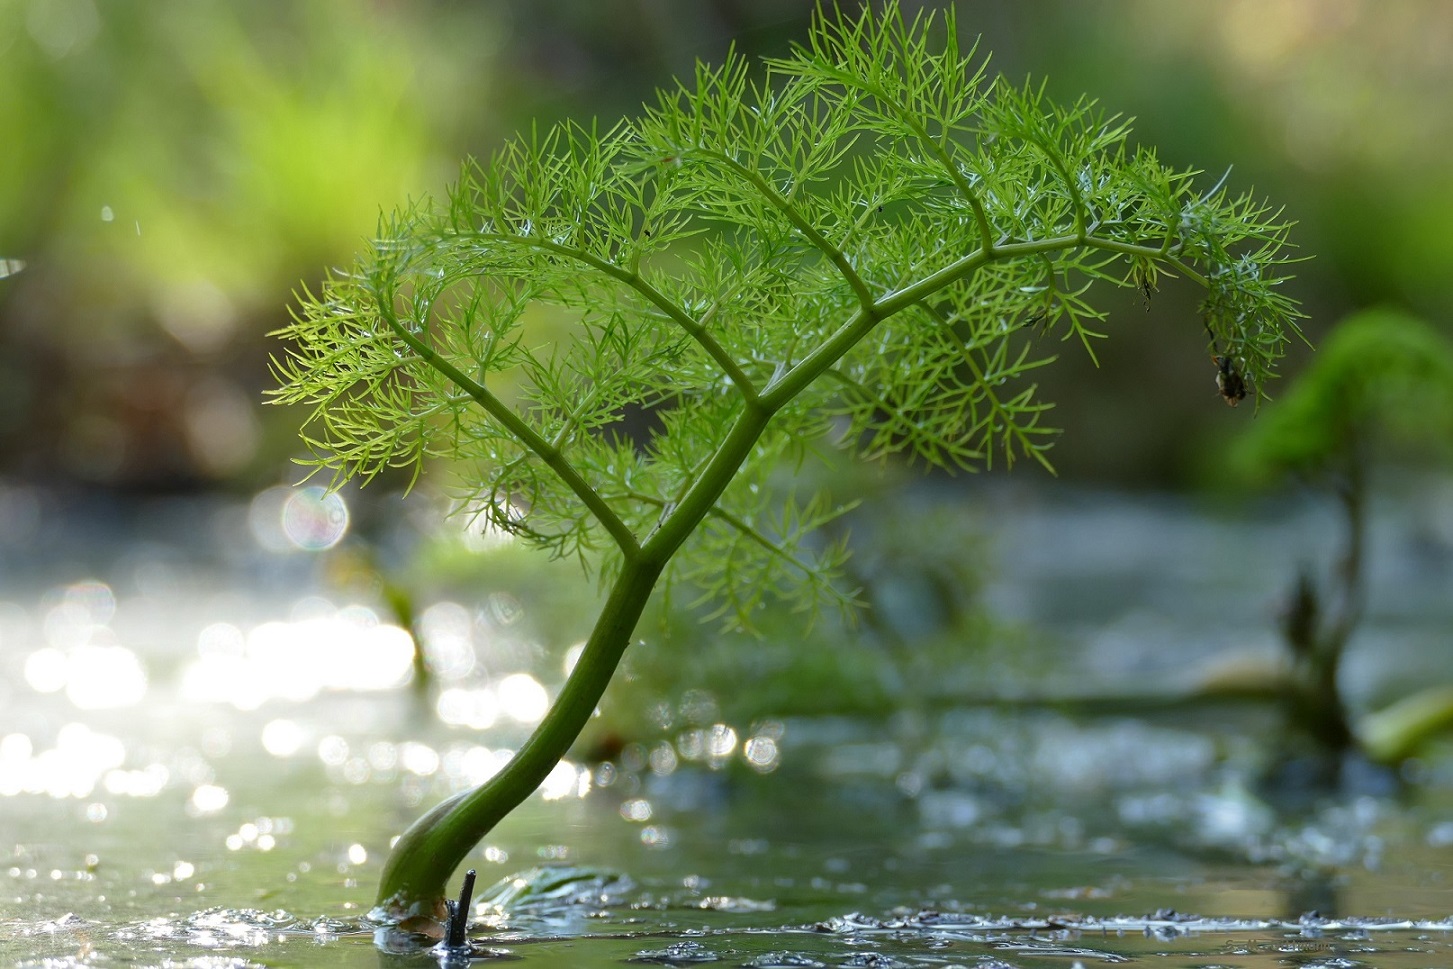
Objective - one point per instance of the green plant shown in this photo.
(1381, 388)
(864, 249)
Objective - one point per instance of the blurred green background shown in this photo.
(172, 171)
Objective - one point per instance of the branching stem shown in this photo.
(703, 493)
(678, 315)
(625, 539)
(419, 865)
(775, 198)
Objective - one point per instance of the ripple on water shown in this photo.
(687, 953)
(208, 938)
(784, 960)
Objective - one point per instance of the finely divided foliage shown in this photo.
(866, 247)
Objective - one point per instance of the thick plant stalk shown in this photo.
(416, 875)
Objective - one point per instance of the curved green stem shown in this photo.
(416, 875)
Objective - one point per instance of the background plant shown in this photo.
(1380, 392)
(867, 250)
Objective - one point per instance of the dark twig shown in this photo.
(455, 937)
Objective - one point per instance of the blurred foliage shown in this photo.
(183, 166)
(1333, 107)
(1343, 99)
(1383, 381)
(235, 142)
(252, 145)
(1378, 391)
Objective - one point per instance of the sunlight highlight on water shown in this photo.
(477, 709)
(566, 780)
(344, 649)
(446, 629)
(81, 760)
(260, 834)
(761, 752)
(209, 799)
(522, 698)
(104, 677)
(82, 657)
(282, 738)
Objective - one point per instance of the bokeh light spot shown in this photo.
(61, 26)
(761, 752)
(446, 629)
(104, 677)
(45, 670)
(562, 782)
(333, 649)
(477, 709)
(209, 799)
(636, 809)
(522, 698)
(314, 518)
(505, 609)
(282, 738)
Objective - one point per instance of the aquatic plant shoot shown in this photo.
(620, 336)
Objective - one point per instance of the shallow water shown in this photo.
(161, 804)
(836, 870)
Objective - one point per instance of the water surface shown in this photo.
(206, 749)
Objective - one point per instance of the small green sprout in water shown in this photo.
(1379, 391)
(860, 248)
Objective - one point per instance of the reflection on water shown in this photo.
(79, 761)
(208, 771)
(83, 658)
(329, 649)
